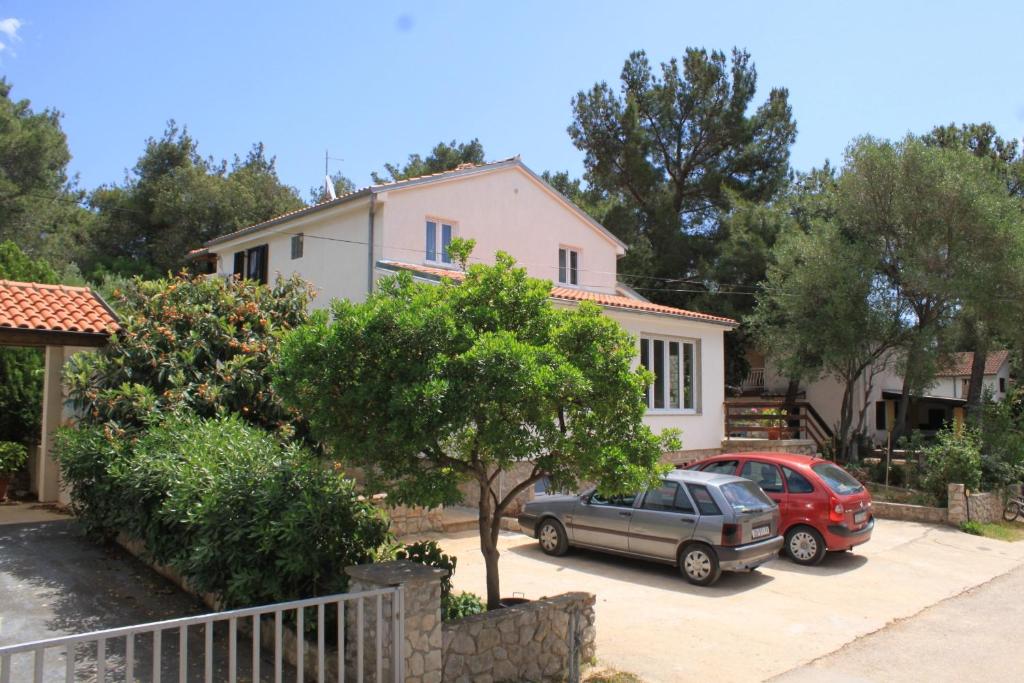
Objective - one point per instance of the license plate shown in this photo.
(761, 531)
(860, 517)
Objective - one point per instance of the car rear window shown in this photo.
(705, 503)
(746, 496)
(837, 479)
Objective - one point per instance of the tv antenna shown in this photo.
(328, 182)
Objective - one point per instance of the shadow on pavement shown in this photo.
(832, 564)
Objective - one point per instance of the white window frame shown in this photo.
(439, 247)
(648, 340)
(569, 271)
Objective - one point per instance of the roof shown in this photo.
(569, 294)
(30, 307)
(462, 170)
(960, 363)
(890, 395)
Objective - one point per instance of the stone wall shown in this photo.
(746, 445)
(908, 513)
(976, 507)
(684, 458)
(547, 639)
(407, 520)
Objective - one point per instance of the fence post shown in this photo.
(420, 625)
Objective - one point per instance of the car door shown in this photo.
(664, 518)
(602, 522)
(769, 478)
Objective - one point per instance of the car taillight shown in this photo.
(836, 511)
(732, 534)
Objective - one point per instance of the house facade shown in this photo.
(942, 403)
(345, 245)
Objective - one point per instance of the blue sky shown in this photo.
(373, 82)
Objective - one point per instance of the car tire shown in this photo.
(805, 546)
(699, 564)
(552, 538)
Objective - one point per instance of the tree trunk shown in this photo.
(489, 544)
(790, 402)
(980, 342)
(845, 418)
(902, 408)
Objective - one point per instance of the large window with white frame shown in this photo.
(568, 266)
(439, 236)
(673, 362)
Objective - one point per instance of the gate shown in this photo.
(345, 635)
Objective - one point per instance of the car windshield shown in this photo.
(745, 496)
(837, 479)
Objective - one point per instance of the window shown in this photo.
(297, 246)
(880, 415)
(724, 467)
(837, 479)
(764, 474)
(433, 248)
(568, 266)
(614, 501)
(745, 496)
(796, 482)
(252, 264)
(666, 498)
(1002, 385)
(672, 361)
(705, 503)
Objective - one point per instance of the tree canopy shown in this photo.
(428, 386)
(174, 200)
(444, 157)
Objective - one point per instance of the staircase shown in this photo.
(773, 418)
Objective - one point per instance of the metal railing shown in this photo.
(754, 380)
(142, 652)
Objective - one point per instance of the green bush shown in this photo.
(1002, 434)
(226, 504)
(955, 458)
(190, 343)
(972, 528)
(13, 456)
(430, 553)
(461, 605)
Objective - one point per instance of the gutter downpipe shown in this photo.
(369, 256)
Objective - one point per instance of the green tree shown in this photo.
(190, 343)
(21, 369)
(174, 200)
(944, 230)
(425, 387)
(985, 318)
(444, 157)
(40, 206)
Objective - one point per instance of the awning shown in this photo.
(940, 400)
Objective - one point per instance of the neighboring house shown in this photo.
(343, 246)
(942, 403)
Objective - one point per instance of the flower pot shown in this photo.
(509, 602)
(5, 480)
(775, 433)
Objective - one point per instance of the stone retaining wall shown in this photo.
(547, 639)
(909, 513)
(407, 520)
(746, 445)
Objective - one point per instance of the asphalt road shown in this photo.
(972, 637)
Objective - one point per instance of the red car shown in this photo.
(823, 507)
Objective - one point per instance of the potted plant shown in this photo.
(776, 424)
(13, 456)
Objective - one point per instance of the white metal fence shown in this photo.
(252, 644)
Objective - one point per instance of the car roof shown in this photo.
(698, 477)
(773, 456)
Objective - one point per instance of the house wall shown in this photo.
(337, 268)
(502, 210)
(703, 429)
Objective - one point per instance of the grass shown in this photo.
(1001, 531)
(611, 676)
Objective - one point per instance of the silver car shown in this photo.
(703, 523)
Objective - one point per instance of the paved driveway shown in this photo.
(748, 626)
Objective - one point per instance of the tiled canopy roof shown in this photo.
(960, 363)
(36, 307)
(570, 294)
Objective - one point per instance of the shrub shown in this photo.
(226, 504)
(973, 528)
(1003, 441)
(452, 606)
(954, 458)
(190, 343)
(13, 456)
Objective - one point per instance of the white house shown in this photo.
(941, 403)
(344, 245)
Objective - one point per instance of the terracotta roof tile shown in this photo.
(54, 308)
(569, 294)
(960, 363)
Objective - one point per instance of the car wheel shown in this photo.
(552, 538)
(699, 564)
(804, 545)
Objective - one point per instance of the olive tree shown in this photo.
(427, 386)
